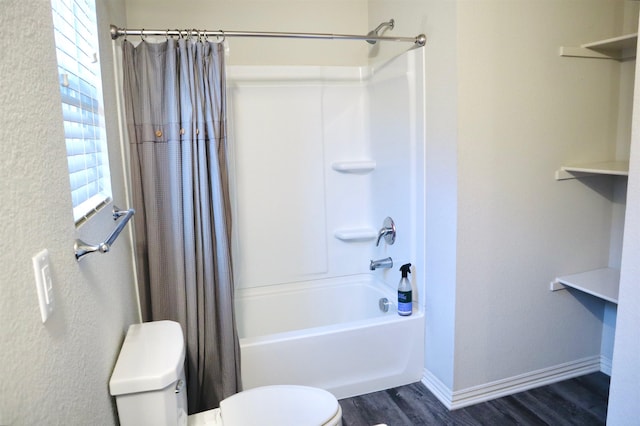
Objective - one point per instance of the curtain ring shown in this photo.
(143, 36)
(224, 37)
(167, 34)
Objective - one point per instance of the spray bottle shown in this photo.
(405, 304)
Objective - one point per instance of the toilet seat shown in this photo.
(282, 405)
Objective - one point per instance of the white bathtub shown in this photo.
(330, 334)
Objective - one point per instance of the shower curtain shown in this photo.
(175, 106)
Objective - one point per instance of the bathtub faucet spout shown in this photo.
(381, 263)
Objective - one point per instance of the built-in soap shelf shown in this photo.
(602, 283)
(364, 166)
(618, 48)
(355, 234)
(355, 167)
(612, 168)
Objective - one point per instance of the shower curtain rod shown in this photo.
(116, 32)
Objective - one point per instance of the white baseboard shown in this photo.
(499, 388)
(439, 389)
(605, 365)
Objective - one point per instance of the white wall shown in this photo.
(57, 372)
(523, 112)
(320, 16)
(625, 391)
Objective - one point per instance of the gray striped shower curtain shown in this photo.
(175, 107)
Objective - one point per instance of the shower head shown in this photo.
(374, 33)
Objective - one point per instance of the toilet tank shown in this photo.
(148, 379)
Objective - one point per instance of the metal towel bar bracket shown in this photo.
(82, 249)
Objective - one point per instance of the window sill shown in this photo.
(83, 212)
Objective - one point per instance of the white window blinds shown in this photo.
(76, 39)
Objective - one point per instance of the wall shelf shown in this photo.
(618, 48)
(602, 283)
(364, 166)
(355, 234)
(613, 168)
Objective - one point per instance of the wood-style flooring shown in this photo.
(580, 401)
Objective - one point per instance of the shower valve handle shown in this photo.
(388, 231)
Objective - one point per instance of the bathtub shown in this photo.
(329, 334)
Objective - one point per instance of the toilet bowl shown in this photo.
(274, 405)
(148, 383)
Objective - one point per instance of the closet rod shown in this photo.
(116, 32)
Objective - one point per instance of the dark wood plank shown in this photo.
(375, 408)
(519, 412)
(580, 401)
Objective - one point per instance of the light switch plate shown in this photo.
(44, 283)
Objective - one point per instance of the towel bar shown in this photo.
(82, 249)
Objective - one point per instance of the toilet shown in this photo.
(148, 383)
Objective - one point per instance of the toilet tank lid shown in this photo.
(151, 358)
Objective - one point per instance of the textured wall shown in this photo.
(57, 372)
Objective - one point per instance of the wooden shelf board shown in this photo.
(615, 168)
(602, 283)
(618, 48)
(614, 44)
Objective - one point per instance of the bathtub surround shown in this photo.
(323, 155)
(300, 136)
(57, 372)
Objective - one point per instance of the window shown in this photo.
(76, 39)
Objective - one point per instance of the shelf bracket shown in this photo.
(564, 175)
(618, 48)
(583, 52)
(556, 285)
